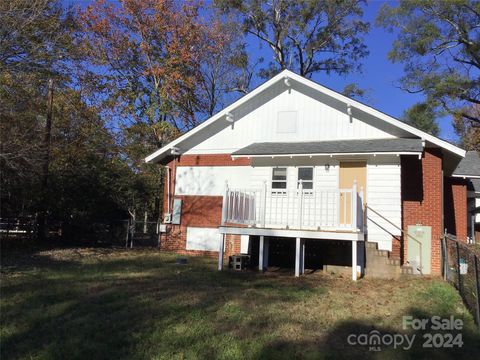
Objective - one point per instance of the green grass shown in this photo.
(113, 304)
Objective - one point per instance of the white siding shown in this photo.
(384, 196)
(383, 186)
(205, 239)
(317, 118)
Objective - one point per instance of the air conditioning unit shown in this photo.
(167, 218)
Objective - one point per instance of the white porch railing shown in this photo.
(336, 209)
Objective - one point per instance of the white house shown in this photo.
(296, 169)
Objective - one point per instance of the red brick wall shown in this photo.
(211, 160)
(176, 240)
(198, 211)
(422, 194)
(455, 196)
(396, 252)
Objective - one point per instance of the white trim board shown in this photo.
(304, 234)
(398, 153)
(171, 148)
(467, 176)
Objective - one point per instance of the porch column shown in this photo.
(221, 251)
(298, 250)
(302, 268)
(354, 260)
(265, 252)
(261, 253)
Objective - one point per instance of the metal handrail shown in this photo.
(402, 231)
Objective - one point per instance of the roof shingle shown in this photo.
(469, 165)
(332, 147)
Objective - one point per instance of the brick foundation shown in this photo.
(423, 204)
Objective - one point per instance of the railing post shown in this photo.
(300, 203)
(458, 271)
(354, 206)
(445, 256)
(221, 252)
(263, 209)
(477, 288)
(225, 204)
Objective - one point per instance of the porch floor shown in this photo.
(294, 233)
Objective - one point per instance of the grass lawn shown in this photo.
(99, 304)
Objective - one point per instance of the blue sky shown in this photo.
(379, 76)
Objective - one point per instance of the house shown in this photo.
(462, 199)
(296, 173)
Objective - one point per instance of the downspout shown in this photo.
(168, 187)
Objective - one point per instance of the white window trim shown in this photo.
(278, 191)
(313, 177)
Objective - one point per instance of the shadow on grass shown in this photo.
(141, 305)
(335, 344)
(130, 308)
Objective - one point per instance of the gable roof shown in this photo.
(469, 167)
(407, 146)
(167, 149)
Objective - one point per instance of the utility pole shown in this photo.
(42, 231)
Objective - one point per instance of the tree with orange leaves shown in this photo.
(146, 56)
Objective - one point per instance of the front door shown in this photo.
(351, 171)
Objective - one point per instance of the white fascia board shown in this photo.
(467, 176)
(416, 153)
(353, 103)
(219, 115)
(400, 124)
(305, 234)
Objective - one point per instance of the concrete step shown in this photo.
(379, 264)
(382, 253)
(391, 273)
(407, 270)
(371, 245)
(394, 262)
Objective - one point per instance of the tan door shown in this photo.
(351, 171)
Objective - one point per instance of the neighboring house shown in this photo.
(462, 218)
(295, 173)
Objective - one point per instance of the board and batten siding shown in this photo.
(384, 196)
(317, 118)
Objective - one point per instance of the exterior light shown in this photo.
(229, 118)
(349, 110)
(175, 151)
(327, 167)
(287, 81)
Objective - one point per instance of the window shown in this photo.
(306, 175)
(287, 122)
(279, 178)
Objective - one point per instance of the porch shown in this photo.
(331, 210)
(299, 215)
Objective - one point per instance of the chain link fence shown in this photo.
(141, 234)
(461, 267)
(124, 233)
